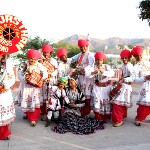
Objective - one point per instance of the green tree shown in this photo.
(144, 7)
(36, 43)
(72, 49)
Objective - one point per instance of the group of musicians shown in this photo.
(43, 84)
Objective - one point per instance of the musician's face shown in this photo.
(125, 60)
(47, 54)
(84, 49)
(99, 62)
(60, 85)
(63, 58)
(138, 57)
(72, 83)
(32, 61)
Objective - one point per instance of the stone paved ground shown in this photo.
(128, 136)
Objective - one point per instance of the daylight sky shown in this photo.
(57, 19)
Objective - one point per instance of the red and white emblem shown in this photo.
(13, 34)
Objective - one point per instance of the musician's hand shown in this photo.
(49, 75)
(72, 105)
(2, 90)
(101, 70)
(94, 72)
(81, 105)
(74, 73)
(147, 77)
(121, 80)
(1, 87)
(113, 83)
(27, 76)
(47, 80)
(82, 71)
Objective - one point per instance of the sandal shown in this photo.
(7, 138)
(25, 117)
(33, 123)
(43, 118)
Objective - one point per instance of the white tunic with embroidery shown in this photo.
(28, 96)
(125, 97)
(100, 97)
(53, 81)
(141, 70)
(64, 68)
(85, 83)
(56, 94)
(7, 109)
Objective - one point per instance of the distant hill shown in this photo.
(109, 45)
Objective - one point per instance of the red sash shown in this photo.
(80, 59)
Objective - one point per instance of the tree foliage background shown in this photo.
(144, 7)
(37, 43)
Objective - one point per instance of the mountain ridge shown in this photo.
(109, 44)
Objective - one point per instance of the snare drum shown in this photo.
(115, 91)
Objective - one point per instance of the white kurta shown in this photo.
(56, 93)
(100, 97)
(53, 80)
(125, 97)
(7, 109)
(141, 70)
(85, 83)
(28, 96)
(64, 68)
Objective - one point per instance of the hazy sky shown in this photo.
(57, 19)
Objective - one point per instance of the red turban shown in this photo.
(137, 50)
(125, 53)
(82, 43)
(61, 52)
(100, 55)
(47, 48)
(32, 53)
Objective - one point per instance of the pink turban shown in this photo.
(125, 53)
(82, 43)
(47, 48)
(137, 50)
(61, 52)
(100, 55)
(32, 53)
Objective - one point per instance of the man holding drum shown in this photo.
(29, 95)
(123, 100)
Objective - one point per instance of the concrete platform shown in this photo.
(126, 137)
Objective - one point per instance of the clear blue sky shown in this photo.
(57, 19)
